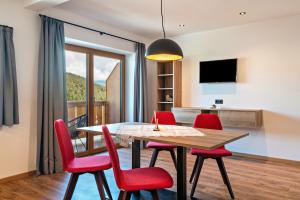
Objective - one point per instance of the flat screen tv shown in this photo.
(218, 71)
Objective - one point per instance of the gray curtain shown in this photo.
(9, 109)
(140, 85)
(51, 102)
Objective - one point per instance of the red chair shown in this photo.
(165, 118)
(77, 166)
(129, 181)
(209, 121)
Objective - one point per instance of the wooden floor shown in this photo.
(250, 179)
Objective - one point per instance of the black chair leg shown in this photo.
(127, 195)
(154, 194)
(99, 182)
(71, 186)
(105, 184)
(121, 195)
(154, 157)
(197, 174)
(194, 170)
(173, 158)
(82, 143)
(224, 175)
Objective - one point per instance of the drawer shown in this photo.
(240, 119)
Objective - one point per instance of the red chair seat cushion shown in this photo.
(216, 153)
(145, 179)
(158, 145)
(89, 164)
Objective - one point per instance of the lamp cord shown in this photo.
(162, 18)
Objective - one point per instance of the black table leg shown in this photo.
(181, 173)
(136, 154)
(136, 158)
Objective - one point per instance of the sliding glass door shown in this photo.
(94, 89)
(76, 78)
(106, 92)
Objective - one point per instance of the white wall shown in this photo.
(268, 78)
(18, 143)
(152, 88)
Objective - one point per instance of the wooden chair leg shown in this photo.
(105, 184)
(154, 194)
(172, 152)
(194, 169)
(71, 186)
(197, 174)
(154, 157)
(224, 175)
(99, 183)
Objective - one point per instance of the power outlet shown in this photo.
(218, 101)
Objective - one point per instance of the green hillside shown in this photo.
(76, 90)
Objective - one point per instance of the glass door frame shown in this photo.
(90, 53)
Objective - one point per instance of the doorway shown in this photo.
(95, 93)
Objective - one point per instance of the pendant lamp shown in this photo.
(164, 49)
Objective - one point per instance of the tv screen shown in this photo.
(218, 71)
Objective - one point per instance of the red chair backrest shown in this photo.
(165, 118)
(64, 141)
(113, 154)
(209, 121)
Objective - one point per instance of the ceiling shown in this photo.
(143, 16)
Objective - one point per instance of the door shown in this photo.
(95, 91)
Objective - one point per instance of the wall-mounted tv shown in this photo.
(218, 71)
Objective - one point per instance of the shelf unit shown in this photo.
(168, 83)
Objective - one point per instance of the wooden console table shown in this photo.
(233, 118)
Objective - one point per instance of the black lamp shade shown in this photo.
(164, 50)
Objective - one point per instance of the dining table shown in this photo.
(207, 139)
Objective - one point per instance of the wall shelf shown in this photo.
(165, 88)
(163, 75)
(168, 85)
(231, 118)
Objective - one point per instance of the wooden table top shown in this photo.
(210, 140)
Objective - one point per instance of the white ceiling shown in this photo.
(143, 16)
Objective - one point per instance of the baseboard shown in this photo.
(18, 176)
(267, 159)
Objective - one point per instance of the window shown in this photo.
(94, 81)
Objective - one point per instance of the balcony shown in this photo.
(86, 144)
(78, 108)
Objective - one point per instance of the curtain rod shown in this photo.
(6, 26)
(94, 30)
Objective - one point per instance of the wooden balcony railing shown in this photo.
(78, 108)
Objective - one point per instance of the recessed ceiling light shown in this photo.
(243, 13)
